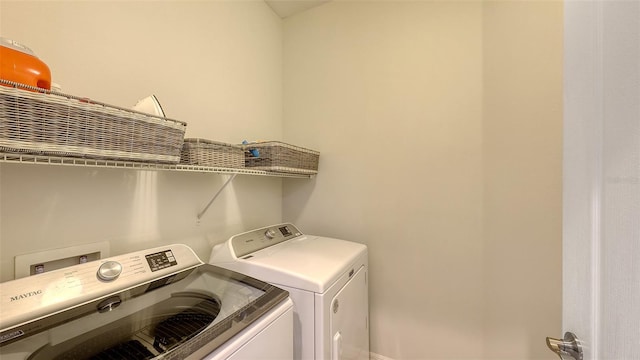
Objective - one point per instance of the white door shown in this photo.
(601, 239)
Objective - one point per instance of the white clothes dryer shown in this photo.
(326, 278)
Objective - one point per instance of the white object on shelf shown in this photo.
(149, 105)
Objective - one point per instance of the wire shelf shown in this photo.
(117, 164)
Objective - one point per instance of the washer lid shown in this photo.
(306, 262)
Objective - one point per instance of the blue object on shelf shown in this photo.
(254, 152)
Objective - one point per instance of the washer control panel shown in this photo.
(56, 290)
(252, 241)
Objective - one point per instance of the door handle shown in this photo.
(337, 346)
(567, 348)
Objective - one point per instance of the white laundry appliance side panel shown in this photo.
(270, 338)
(350, 323)
(303, 322)
(303, 308)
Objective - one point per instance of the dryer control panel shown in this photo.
(254, 240)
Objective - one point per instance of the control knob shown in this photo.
(270, 234)
(109, 270)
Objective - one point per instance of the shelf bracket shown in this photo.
(201, 213)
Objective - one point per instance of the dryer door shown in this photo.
(350, 320)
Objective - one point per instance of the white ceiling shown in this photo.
(285, 8)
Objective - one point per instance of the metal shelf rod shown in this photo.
(201, 213)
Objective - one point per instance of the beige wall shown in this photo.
(215, 65)
(523, 176)
(439, 125)
(391, 94)
(522, 132)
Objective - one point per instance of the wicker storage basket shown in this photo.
(281, 157)
(211, 153)
(38, 121)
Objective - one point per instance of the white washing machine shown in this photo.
(161, 303)
(326, 278)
